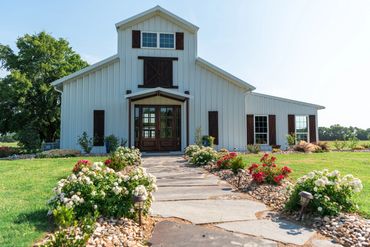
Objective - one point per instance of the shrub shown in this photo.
(237, 163)
(29, 139)
(198, 136)
(332, 193)
(225, 161)
(324, 146)
(254, 149)
(7, 137)
(81, 164)
(306, 147)
(366, 145)
(339, 145)
(85, 142)
(191, 149)
(352, 143)
(208, 141)
(268, 171)
(99, 188)
(290, 139)
(123, 157)
(276, 150)
(111, 143)
(58, 153)
(8, 151)
(204, 156)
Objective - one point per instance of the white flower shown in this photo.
(132, 210)
(117, 190)
(315, 189)
(335, 173)
(311, 175)
(319, 209)
(320, 182)
(95, 207)
(140, 191)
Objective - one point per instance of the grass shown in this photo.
(25, 187)
(360, 142)
(9, 144)
(356, 163)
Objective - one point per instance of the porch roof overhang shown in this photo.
(158, 91)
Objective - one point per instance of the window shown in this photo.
(261, 129)
(158, 40)
(149, 40)
(301, 128)
(166, 40)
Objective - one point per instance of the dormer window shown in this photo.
(158, 40)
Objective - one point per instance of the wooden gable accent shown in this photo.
(98, 128)
(158, 71)
(179, 41)
(291, 124)
(136, 39)
(272, 130)
(250, 129)
(312, 127)
(213, 125)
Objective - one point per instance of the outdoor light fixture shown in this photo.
(139, 205)
(305, 199)
(240, 175)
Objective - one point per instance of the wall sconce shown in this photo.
(139, 205)
(306, 197)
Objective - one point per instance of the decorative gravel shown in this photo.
(346, 229)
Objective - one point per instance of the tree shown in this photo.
(27, 99)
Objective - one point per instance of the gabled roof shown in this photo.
(85, 70)
(222, 73)
(157, 10)
(319, 107)
(159, 91)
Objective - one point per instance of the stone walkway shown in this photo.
(218, 215)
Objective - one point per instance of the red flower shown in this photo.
(264, 157)
(233, 154)
(264, 165)
(286, 170)
(259, 177)
(252, 167)
(81, 164)
(273, 165)
(107, 162)
(273, 159)
(278, 178)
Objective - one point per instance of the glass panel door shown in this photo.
(149, 122)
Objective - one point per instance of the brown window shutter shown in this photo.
(250, 129)
(312, 126)
(291, 124)
(98, 128)
(272, 129)
(213, 125)
(136, 39)
(179, 41)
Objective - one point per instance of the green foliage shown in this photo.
(85, 142)
(198, 136)
(338, 132)
(29, 138)
(291, 139)
(64, 216)
(204, 156)
(8, 151)
(123, 157)
(7, 137)
(332, 193)
(113, 142)
(208, 141)
(58, 153)
(339, 145)
(254, 149)
(26, 96)
(237, 163)
(352, 142)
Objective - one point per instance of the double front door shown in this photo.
(158, 127)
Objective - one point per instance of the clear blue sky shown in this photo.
(311, 50)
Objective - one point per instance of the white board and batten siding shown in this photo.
(261, 104)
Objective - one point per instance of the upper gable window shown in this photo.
(149, 40)
(158, 40)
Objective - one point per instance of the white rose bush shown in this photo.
(203, 156)
(332, 192)
(123, 157)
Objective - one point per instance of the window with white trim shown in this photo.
(158, 40)
(301, 128)
(261, 129)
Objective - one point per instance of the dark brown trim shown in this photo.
(157, 94)
(179, 41)
(187, 122)
(129, 122)
(272, 130)
(165, 58)
(154, 86)
(250, 129)
(291, 124)
(312, 126)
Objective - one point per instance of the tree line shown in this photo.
(338, 132)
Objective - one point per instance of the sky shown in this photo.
(316, 51)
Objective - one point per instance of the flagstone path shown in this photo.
(219, 216)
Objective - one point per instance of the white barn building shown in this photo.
(156, 91)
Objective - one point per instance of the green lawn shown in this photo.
(9, 144)
(355, 163)
(25, 187)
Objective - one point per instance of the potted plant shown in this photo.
(111, 143)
